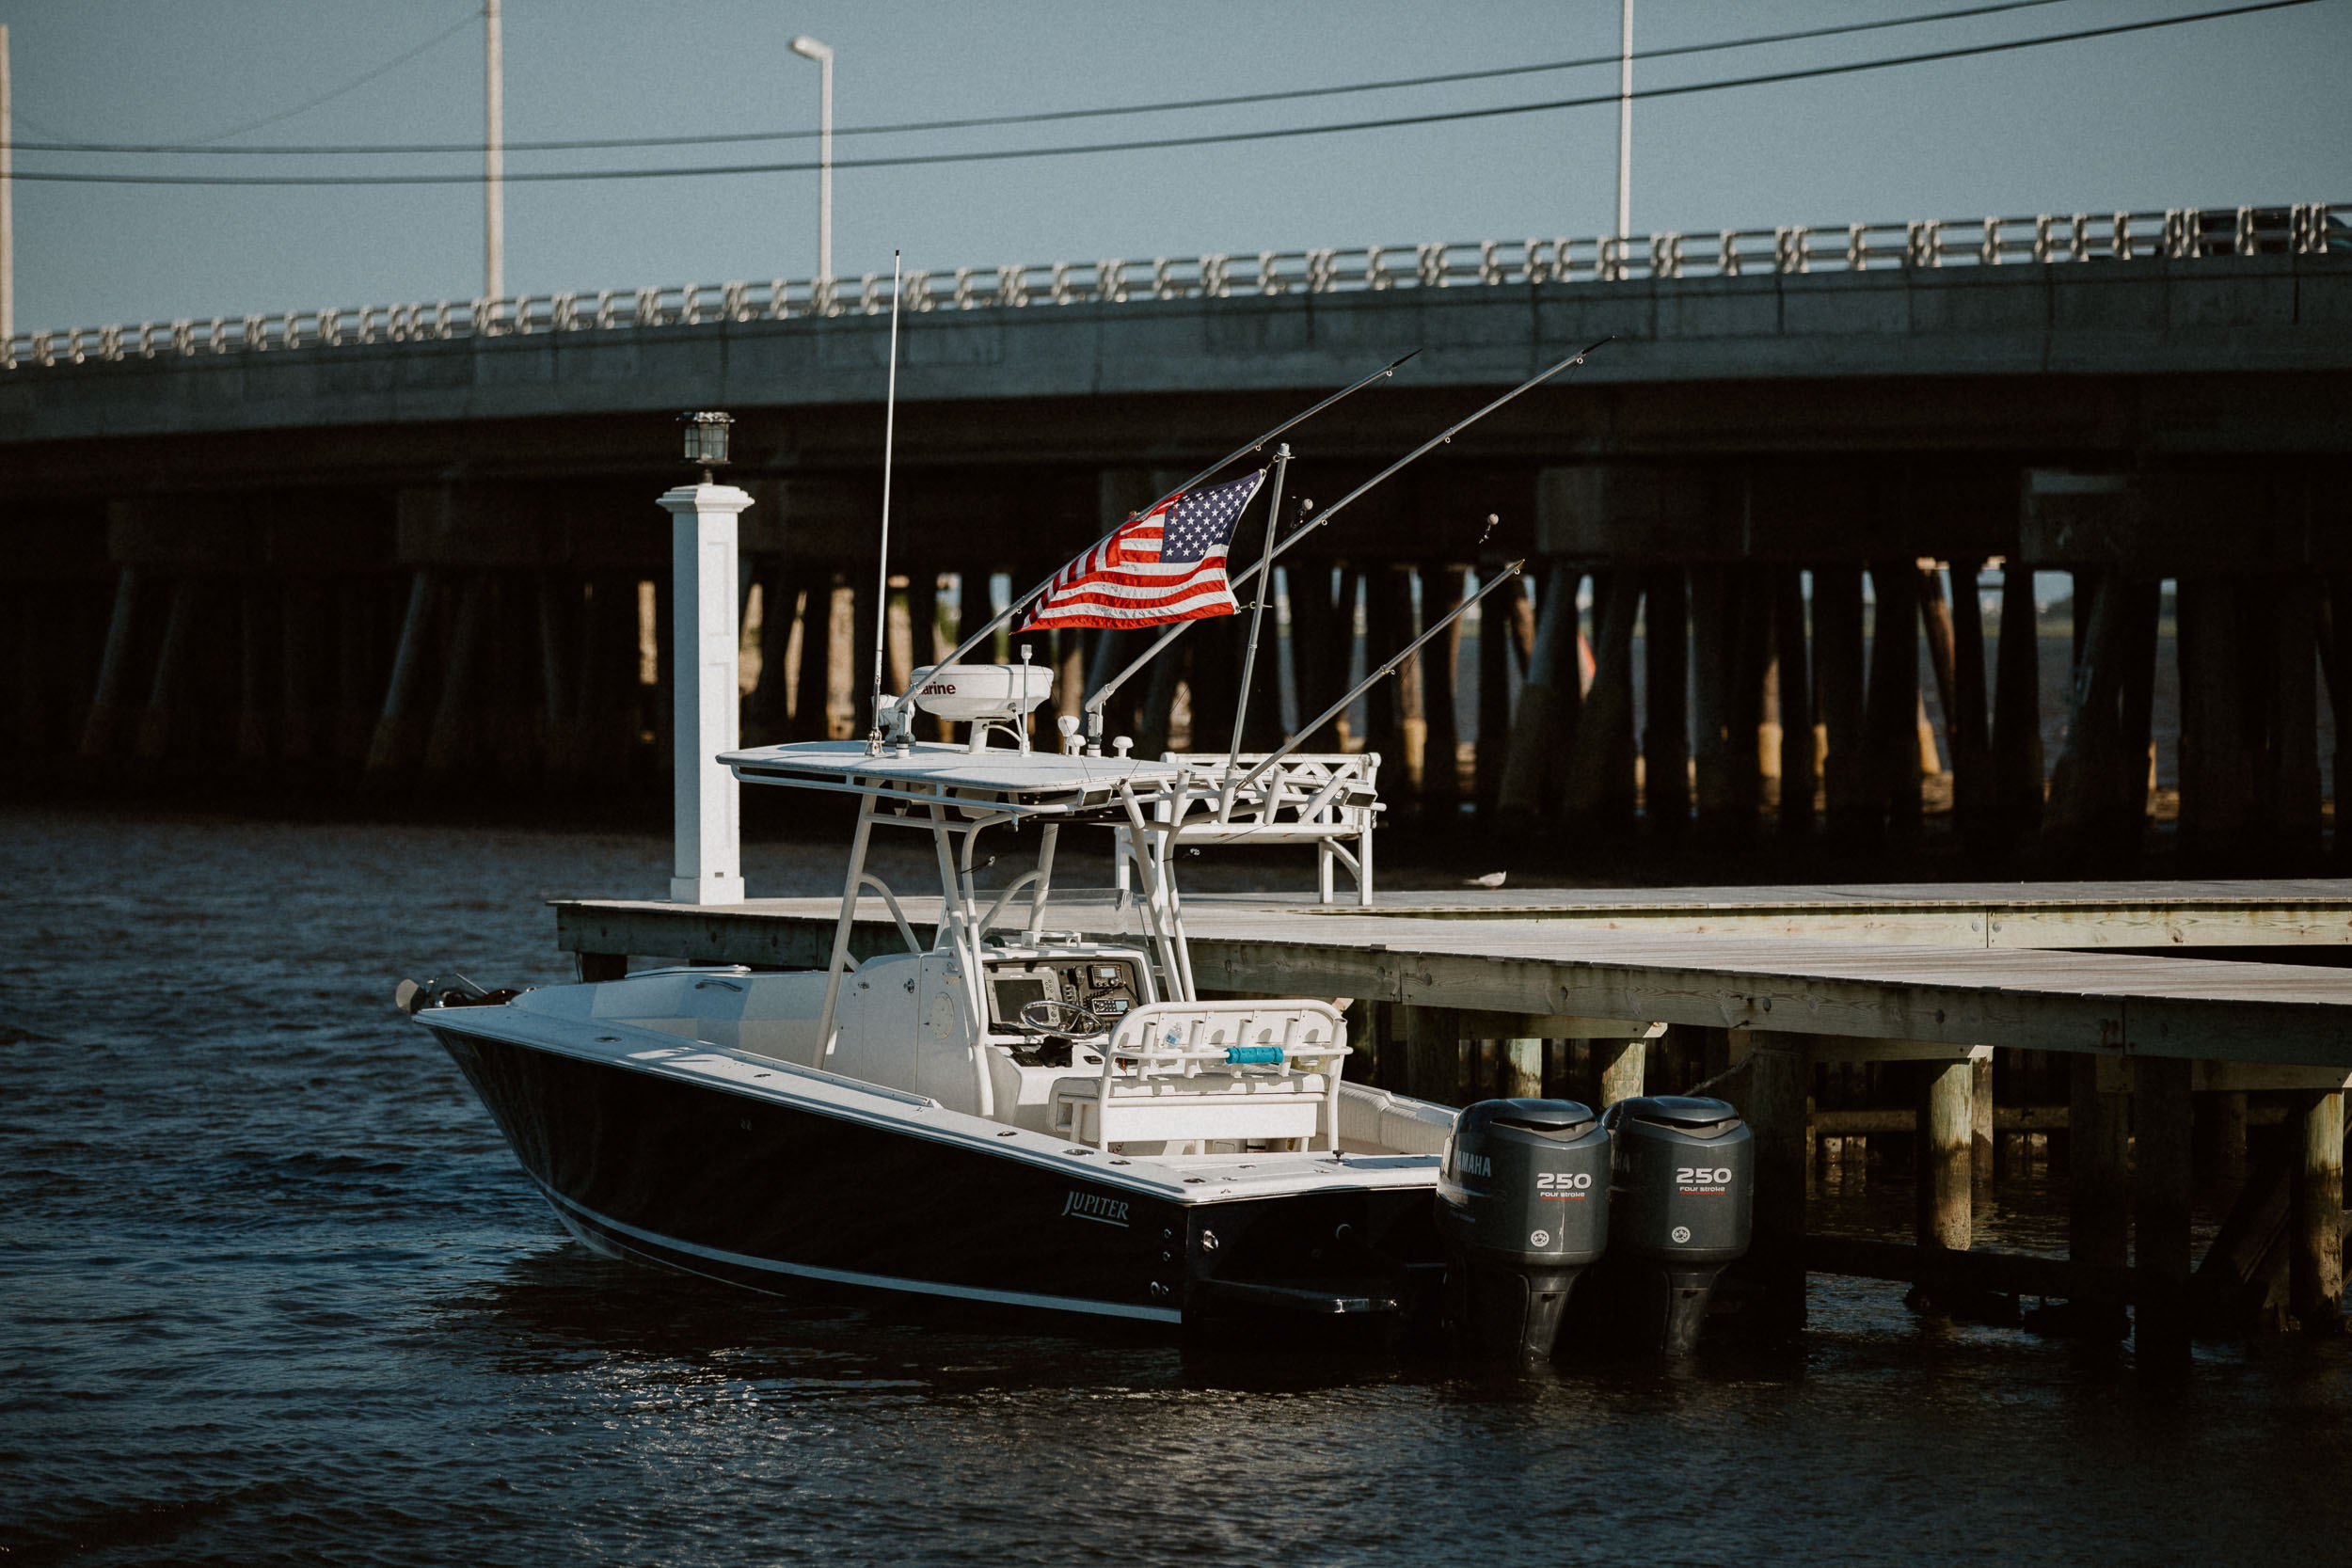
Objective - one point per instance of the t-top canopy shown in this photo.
(1026, 781)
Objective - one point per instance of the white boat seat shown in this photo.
(1197, 1072)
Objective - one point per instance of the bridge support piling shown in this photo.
(451, 744)
(1601, 791)
(2016, 786)
(1793, 691)
(1442, 589)
(1544, 720)
(1666, 733)
(1837, 666)
(157, 723)
(2292, 819)
(1892, 748)
(253, 672)
(1973, 797)
(1494, 688)
(109, 708)
(397, 728)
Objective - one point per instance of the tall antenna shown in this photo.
(882, 583)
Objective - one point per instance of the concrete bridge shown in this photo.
(403, 538)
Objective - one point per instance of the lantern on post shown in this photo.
(707, 440)
(701, 666)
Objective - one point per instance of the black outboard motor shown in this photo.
(1523, 1209)
(1684, 1195)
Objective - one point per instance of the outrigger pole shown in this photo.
(1029, 599)
(1103, 695)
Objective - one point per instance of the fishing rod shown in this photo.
(1094, 705)
(1022, 603)
(1235, 787)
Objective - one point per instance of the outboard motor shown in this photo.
(1684, 1195)
(1523, 1208)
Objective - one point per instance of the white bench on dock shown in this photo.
(1328, 800)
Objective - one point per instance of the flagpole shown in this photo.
(1257, 611)
(881, 586)
(1024, 600)
(1103, 695)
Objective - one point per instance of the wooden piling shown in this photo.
(2315, 1218)
(2098, 1187)
(1837, 679)
(1433, 1055)
(1974, 798)
(1946, 1123)
(1715, 755)
(1981, 1118)
(1777, 1074)
(1666, 733)
(1621, 1069)
(2163, 1192)
(1523, 1068)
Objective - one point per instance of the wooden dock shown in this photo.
(1786, 981)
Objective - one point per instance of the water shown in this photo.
(275, 1292)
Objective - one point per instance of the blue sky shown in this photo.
(2250, 109)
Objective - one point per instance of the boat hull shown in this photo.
(768, 1195)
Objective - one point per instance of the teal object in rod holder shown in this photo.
(1247, 1056)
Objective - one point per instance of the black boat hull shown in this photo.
(767, 1195)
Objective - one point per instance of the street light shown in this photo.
(808, 48)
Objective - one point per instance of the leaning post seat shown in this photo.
(1199, 1072)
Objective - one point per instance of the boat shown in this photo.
(1032, 1108)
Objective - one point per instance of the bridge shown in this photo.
(407, 543)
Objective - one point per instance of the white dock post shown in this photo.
(709, 868)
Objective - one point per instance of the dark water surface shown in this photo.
(275, 1292)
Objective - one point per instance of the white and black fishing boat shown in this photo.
(1034, 1107)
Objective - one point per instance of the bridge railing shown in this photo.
(2173, 235)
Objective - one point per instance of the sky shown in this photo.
(2250, 109)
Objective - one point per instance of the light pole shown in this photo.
(808, 48)
(493, 157)
(1625, 123)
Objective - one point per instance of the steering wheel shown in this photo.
(1048, 1016)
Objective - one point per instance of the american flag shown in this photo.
(1168, 564)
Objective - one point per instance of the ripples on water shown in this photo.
(275, 1292)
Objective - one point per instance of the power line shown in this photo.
(331, 94)
(1163, 143)
(1033, 118)
(201, 144)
